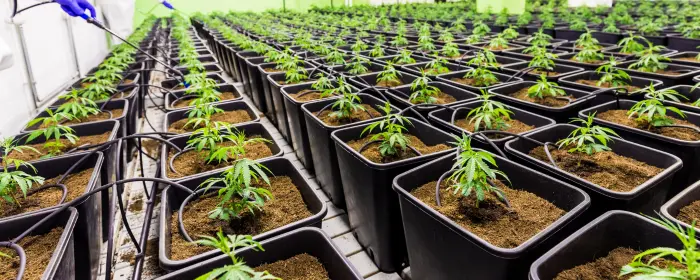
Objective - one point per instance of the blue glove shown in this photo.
(76, 8)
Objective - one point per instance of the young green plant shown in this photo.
(238, 268)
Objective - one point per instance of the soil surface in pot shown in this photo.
(309, 95)
(608, 267)
(470, 82)
(546, 73)
(284, 83)
(116, 113)
(548, 101)
(38, 250)
(514, 126)
(357, 116)
(230, 117)
(28, 155)
(299, 267)
(690, 213)
(606, 169)
(493, 221)
(690, 59)
(192, 162)
(75, 184)
(124, 82)
(441, 98)
(595, 61)
(273, 70)
(286, 207)
(621, 117)
(389, 84)
(661, 72)
(186, 102)
(371, 152)
(435, 71)
(606, 85)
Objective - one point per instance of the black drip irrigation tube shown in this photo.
(139, 244)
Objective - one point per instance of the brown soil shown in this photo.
(548, 101)
(230, 117)
(690, 213)
(299, 267)
(546, 73)
(514, 126)
(307, 95)
(608, 267)
(389, 84)
(75, 184)
(357, 116)
(606, 169)
(469, 82)
(192, 162)
(282, 83)
(186, 102)
(497, 48)
(606, 85)
(116, 113)
(286, 207)
(620, 117)
(441, 98)
(589, 62)
(272, 70)
(691, 59)
(38, 250)
(668, 72)
(372, 151)
(83, 140)
(493, 221)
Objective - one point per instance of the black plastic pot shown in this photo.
(680, 43)
(256, 93)
(372, 206)
(306, 240)
(442, 119)
(173, 197)
(88, 231)
(688, 92)
(172, 83)
(176, 115)
(170, 98)
(640, 82)
(434, 241)
(518, 53)
(668, 80)
(399, 96)
(112, 105)
(688, 152)
(280, 111)
(675, 58)
(645, 198)
(532, 29)
(567, 34)
(265, 89)
(559, 114)
(250, 129)
(297, 126)
(241, 63)
(502, 78)
(209, 68)
(562, 70)
(607, 37)
(323, 152)
(672, 208)
(595, 240)
(63, 260)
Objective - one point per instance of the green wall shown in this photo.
(205, 6)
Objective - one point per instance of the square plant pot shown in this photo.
(254, 82)
(607, 37)
(323, 152)
(646, 197)
(175, 116)
(306, 240)
(61, 264)
(168, 153)
(671, 209)
(276, 82)
(687, 151)
(373, 208)
(680, 43)
(685, 58)
(172, 198)
(264, 70)
(561, 71)
(642, 83)
(503, 79)
(179, 96)
(559, 114)
(87, 232)
(433, 238)
(241, 63)
(445, 119)
(685, 73)
(595, 240)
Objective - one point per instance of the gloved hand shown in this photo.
(76, 8)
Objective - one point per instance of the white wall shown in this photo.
(51, 56)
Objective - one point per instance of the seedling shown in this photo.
(510, 33)
(481, 29)
(238, 269)
(498, 43)
(295, 76)
(642, 266)
(586, 41)
(210, 138)
(98, 91)
(12, 181)
(335, 58)
(203, 111)
(631, 44)
(481, 77)
(589, 56)
(583, 139)
(377, 51)
(399, 41)
(391, 127)
(357, 65)
(359, 46)
(652, 111)
(346, 105)
(539, 39)
(436, 67)
(450, 50)
(422, 92)
(544, 88)
(77, 106)
(484, 58)
(616, 77)
(53, 129)
(491, 113)
(543, 61)
(651, 60)
(404, 57)
(390, 76)
(474, 171)
(238, 194)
